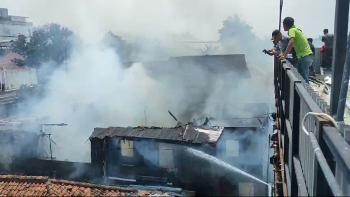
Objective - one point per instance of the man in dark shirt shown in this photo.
(327, 39)
(282, 43)
(327, 49)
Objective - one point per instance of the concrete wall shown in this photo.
(13, 79)
(10, 30)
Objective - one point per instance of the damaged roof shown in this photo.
(216, 63)
(8, 61)
(11, 185)
(188, 134)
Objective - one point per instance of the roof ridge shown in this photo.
(84, 184)
(42, 179)
(44, 186)
(48, 181)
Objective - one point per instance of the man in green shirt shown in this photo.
(298, 41)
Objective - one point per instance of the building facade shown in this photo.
(12, 26)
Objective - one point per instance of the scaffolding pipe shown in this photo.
(344, 86)
(280, 16)
(339, 52)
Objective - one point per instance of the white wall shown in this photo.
(13, 29)
(15, 78)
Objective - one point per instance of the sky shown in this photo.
(201, 18)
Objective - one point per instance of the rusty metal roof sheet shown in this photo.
(188, 134)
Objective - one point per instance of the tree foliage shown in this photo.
(120, 46)
(19, 46)
(50, 42)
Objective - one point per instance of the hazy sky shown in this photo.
(202, 18)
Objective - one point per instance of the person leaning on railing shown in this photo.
(283, 44)
(298, 41)
(280, 45)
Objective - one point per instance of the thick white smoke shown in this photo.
(93, 89)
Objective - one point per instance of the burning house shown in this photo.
(153, 148)
(185, 156)
(189, 156)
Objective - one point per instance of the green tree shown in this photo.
(50, 42)
(20, 45)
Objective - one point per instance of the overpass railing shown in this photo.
(316, 162)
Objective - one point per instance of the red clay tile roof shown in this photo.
(8, 61)
(11, 185)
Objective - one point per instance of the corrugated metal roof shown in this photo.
(188, 134)
(239, 122)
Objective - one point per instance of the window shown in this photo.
(127, 148)
(166, 156)
(232, 148)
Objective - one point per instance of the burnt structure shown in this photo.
(196, 158)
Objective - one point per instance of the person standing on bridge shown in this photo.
(282, 46)
(298, 41)
(327, 50)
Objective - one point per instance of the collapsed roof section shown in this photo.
(214, 64)
(188, 134)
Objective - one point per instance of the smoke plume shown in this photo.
(94, 89)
